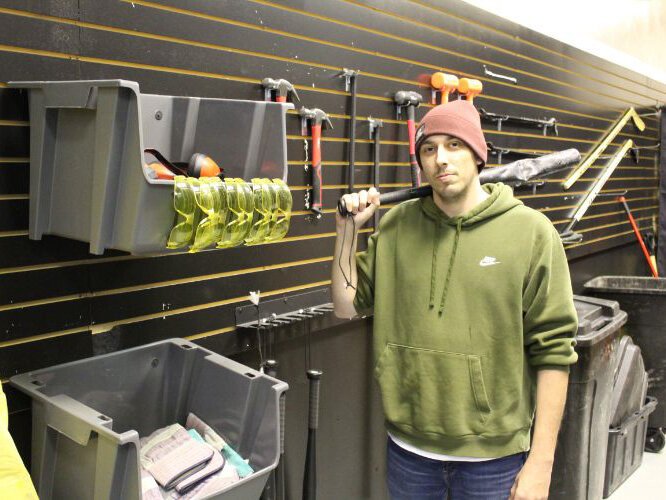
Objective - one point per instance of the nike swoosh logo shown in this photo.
(488, 261)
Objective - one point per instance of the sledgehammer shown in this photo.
(410, 100)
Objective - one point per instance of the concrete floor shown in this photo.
(648, 482)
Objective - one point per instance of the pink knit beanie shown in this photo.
(458, 119)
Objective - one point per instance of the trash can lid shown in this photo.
(597, 319)
(643, 285)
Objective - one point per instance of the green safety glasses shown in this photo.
(185, 205)
(229, 212)
(265, 204)
(240, 200)
(282, 213)
(212, 201)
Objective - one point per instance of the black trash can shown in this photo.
(630, 410)
(580, 457)
(644, 300)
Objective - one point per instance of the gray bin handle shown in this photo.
(77, 421)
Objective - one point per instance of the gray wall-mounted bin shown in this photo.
(87, 176)
(87, 417)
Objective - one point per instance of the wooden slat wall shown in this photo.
(59, 303)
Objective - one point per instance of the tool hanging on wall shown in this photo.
(470, 88)
(568, 236)
(639, 237)
(316, 117)
(511, 79)
(499, 152)
(545, 123)
(350, 76)
(635, 152)
(375, 127)
(592, 156)
(444, 84)
(410, 100)
(314, 380)
(520, 171)
(651, 241)
(281, 87)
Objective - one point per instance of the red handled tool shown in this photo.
(637, 232)
(282, 89)
(410, 100)
(316, 117)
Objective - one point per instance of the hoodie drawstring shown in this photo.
(454, 251)
(433, 270)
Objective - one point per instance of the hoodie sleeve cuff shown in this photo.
(560, 368)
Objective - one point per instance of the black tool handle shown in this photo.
(352, 133)
(393, 197)
(375, 173)
(310, 475)
(413, 163)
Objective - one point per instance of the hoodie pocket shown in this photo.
(433, 391)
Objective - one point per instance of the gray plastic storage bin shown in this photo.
(88, 180)
(644, 299)
(625, 447)
(580, 456)
(87, 417)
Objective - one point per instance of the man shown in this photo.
(474, 323)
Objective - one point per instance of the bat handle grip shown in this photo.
(342, 209)
(314, 376)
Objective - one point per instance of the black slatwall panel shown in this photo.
(59, 303)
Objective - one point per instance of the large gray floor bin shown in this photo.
(87, 176)
(87, 417)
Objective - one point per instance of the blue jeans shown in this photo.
(413, 477)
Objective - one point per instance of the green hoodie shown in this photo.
(466, 310)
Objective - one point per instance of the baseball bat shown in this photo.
(518, 171)
(310, 475)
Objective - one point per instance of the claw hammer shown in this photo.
(316, 117)
(410, 100)
(281, 87)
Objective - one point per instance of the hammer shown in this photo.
(471, 88)
(445, 83)
(316, 116)
(410, 100)
(281, 87)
